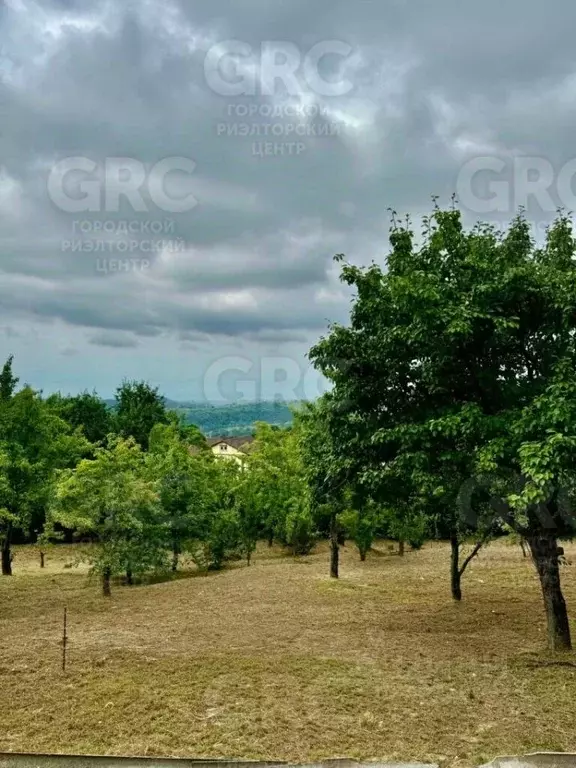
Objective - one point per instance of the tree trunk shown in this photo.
(455, 575)
(270, 539)
(544, 549)
(7, 555)
(362, 554)
(42, 559)
(175, 556)
(334, 549)
(523, 545)
(248, 556)
(129, 577)
(401, 548)
(106, 576)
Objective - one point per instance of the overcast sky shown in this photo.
(216, 269)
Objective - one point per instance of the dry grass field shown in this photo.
(278, 661)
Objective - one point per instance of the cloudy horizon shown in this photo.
(176, 177)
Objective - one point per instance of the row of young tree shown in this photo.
(146, 489)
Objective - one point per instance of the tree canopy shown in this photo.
(459, 360)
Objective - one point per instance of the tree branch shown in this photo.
(475, 551)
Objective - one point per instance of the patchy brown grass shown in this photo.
(277, 661)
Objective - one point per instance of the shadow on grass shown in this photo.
(391, 551)
(162, 577)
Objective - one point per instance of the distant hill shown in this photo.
(233, 419)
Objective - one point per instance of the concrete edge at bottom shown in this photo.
(33, 760)
(534, 760)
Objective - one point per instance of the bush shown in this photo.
(300, 532)
(360, 527)
(224, 540)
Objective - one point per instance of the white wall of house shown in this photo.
(225, 451)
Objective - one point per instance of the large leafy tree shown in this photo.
(188, 495)
(86, 410)
(34, 442)
(460, 359)
(113, 498)
(278, 490)
(247, 499)
(361, 526)
(328, 474)
(216, 524)
(199, 497)
(139, 407)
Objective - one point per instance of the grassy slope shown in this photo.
(277, 661)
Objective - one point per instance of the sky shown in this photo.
(177, 175)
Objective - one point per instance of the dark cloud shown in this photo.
(115, 340)
(432, 86)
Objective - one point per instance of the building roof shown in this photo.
(237, 442)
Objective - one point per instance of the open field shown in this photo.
(278, 661)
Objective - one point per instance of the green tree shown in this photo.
(138, 408)
(279, 491)
(34, 442)
(187, 495)
(250, 510)
(8, 381)
(191, 434)
(361, 528)
(113, 498)
(402, 525)
(87, 411)
(452, 365)
(328, 475)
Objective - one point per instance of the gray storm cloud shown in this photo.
(433, 86)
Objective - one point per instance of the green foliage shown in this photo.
(34, 442)
(113, 498)
(460, 359)
(299, 531)
(278, 487)
(224, 538)
(361, 527)
(148, 493)
(188, 493)
(139, 407)
(412, 528)
(8, 381)
(86, 411)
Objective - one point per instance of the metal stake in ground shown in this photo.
(64, 642)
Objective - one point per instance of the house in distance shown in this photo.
(232, 448)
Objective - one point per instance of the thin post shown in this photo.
(64, 642)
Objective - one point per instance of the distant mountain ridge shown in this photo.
(231, 419)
